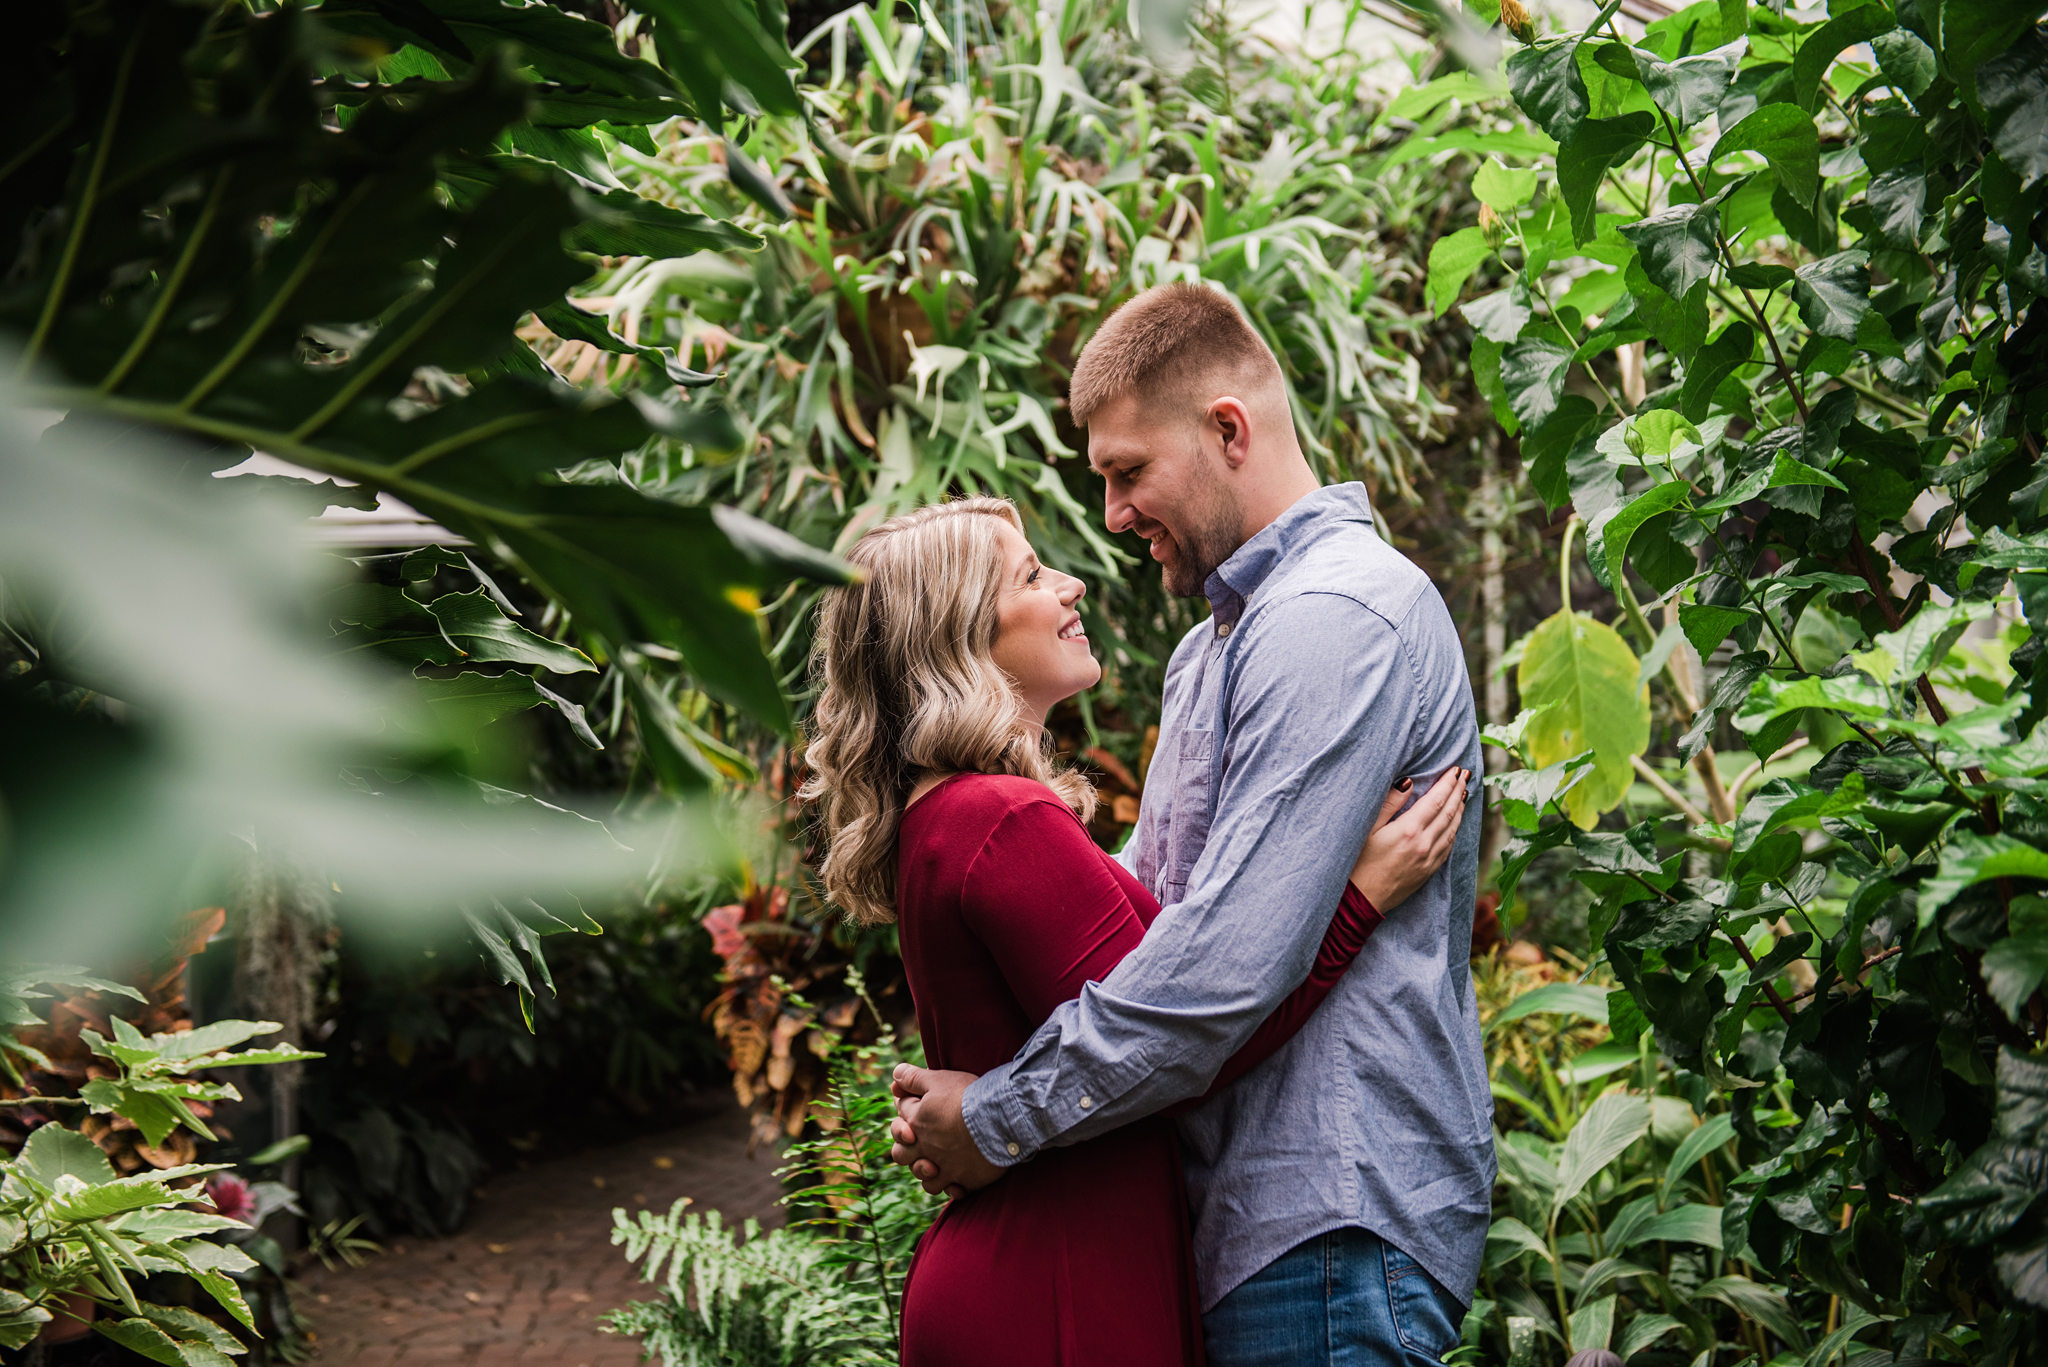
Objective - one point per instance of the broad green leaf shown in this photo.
(1532, 372)
(53, 1151)
(141, 1337)
(1592, 1325)
(1509, 1238)
(569, 322)
(164, 1225)
(1503, 189)
(486, 635)
(1508, 735)
(2001, 550)
(1687, 1224)
(1715, 362)
(1470, 86)
(191, 1326)
(1584, 159)
(1525, 794)
(113, 1198)
(1785, 136)
(1907, 62)
(2014, 89)
(1764, 1306)
(2014, 968)
(1922, 643)
(1833, 293)
(211, 1038)
(154, 1114)
(621, 223)
(1500, 316)
(1711, 1134)
(1602, 1060)
(467, 703)
(1660, 432)
(1897, 199)
(1677, 246)
(732, 34)
(1690, 88)
(1588, 671)
(1451, 262)
(1645, 1330)
(1787, 472)
(1970, 858)
(1569, 999)
(1818, 50)
(1547, 84)
(1619, 530)
(1609, 1126)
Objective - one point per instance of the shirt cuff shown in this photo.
(990, 1110)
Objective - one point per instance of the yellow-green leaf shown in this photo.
(1589, 673)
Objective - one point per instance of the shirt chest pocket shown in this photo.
(1194, 791)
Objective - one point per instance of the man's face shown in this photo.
(1164, 482)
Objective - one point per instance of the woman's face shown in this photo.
(1039, 641)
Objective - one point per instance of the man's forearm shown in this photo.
(1140, 1060)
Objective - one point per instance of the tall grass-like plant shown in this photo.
(956, 216)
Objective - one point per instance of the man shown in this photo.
(1341, 1190)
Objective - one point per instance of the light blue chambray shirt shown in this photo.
(1329, 670)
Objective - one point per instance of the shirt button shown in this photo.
(1013, 1150)
(1223, 630)
(1086, 1103)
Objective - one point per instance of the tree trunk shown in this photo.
(1491, 506)
(282, 918)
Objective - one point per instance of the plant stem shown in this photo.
(168, 295)
(1728, 258)
(87, 200)
(1564, 564)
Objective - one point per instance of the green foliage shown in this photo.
(962, 219)
(827, 1289)
(70, 1226)
(1833, 491)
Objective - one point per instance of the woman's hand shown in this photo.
(1404, 851)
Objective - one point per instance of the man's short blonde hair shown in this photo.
(1165, 344)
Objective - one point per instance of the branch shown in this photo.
(1743, 779)
(1666, 791)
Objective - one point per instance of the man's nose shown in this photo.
(1116, 510)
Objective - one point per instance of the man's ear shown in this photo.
(1230, 422)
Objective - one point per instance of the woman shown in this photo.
(943, 812)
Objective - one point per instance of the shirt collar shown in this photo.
(1233, 582)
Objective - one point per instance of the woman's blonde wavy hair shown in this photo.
(910, 687)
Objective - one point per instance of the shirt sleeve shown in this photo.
(1320, 717)
(1356, 919)
(1042, 898)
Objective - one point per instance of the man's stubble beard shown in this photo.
(1212, 538)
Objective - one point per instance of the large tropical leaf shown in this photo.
(193, 331)
(1585, 677)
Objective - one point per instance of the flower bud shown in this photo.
(1493, 226)
(1514, 17)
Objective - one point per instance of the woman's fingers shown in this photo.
(1391, 808)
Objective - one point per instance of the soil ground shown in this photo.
(527, 1278)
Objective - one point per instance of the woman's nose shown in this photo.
(1072, 591)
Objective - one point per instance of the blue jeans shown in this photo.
(1347, 1299)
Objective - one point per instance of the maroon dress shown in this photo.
(1081, 1256)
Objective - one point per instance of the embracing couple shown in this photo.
(1178, 1121)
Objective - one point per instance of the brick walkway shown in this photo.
(527, 1278)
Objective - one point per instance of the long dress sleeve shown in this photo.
(1045, 901)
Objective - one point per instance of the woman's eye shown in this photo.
(1032, 578)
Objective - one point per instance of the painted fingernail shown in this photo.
(1406, 784)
